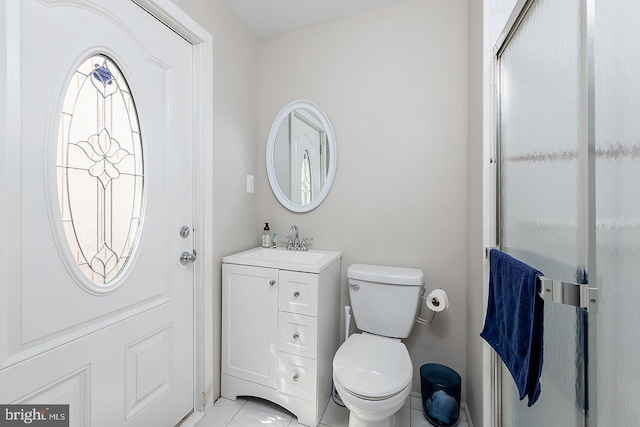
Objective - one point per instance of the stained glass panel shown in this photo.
(100, 169)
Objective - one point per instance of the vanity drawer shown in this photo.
(298, 334)
(297, 376)
(298, 292)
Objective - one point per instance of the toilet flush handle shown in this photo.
(355, 287)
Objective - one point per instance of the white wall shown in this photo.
(500, 11)
(235, 132)
(475, 219)
(393, 81)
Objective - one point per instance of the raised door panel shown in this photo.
(250, 323)
(72, 390)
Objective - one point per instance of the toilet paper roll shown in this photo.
(438, 300)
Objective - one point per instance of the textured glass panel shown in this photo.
(305, 179)
(618, 211)
(100, 173)
(540, 183)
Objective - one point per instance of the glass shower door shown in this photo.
(550, 112)
(542, 185)
(617, 123)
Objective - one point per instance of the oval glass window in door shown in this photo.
(100, 170)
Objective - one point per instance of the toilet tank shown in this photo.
(384, 299)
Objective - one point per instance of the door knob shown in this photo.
(186, 257)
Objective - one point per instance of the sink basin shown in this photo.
(312, 261)
(284, 256)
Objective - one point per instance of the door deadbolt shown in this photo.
(184, 231)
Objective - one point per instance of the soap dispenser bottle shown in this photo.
(266, 236)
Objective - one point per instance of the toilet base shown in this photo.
(373, 413)
(355, 421)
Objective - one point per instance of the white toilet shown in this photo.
(372, 371)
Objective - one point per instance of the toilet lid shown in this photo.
(372, 367)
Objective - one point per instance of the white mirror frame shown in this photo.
(333, 152)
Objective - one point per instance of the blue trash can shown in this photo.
(441, 388)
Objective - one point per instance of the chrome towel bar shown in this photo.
(573, 294)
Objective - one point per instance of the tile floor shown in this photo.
(254, 412)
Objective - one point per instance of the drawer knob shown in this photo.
(272, 282)
(296, 377)
(296, 294)
(295, 336)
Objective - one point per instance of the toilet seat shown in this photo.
(372, 399)
(372, 367)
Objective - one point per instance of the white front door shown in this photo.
(96, 310)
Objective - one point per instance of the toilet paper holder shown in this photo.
(423, 301)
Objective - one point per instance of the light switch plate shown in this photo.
(250, 183)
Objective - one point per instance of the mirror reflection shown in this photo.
(301, 156)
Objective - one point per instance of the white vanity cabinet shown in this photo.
(280, 331)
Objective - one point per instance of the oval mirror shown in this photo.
(301, 156)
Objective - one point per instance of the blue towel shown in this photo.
(514, 321)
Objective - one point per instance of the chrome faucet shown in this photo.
(294, 242)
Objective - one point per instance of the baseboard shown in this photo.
(192, 419)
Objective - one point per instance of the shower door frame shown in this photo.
(587, 197)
